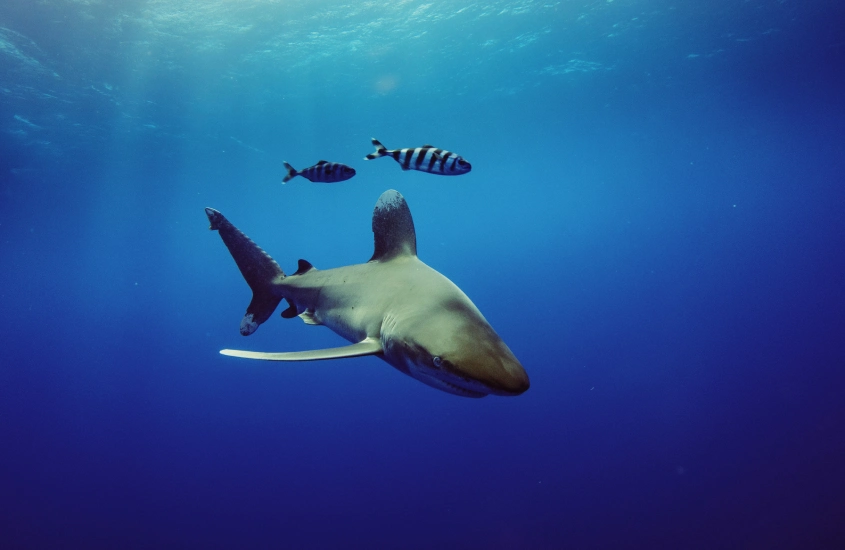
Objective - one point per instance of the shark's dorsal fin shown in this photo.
(429, 146)
(319, 162)
(368, 346)
(393, 228)
(304, 266)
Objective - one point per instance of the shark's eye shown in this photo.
(438, 362)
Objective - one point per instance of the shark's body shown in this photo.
(394, 306)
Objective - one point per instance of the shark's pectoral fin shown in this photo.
(368, 346)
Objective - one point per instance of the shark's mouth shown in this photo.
(436, 381)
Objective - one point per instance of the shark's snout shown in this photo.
(504, 374)
(483, 362)
(515, 381)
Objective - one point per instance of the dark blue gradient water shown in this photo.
(654, 223)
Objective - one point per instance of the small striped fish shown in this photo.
(323, 172)
(425, 159)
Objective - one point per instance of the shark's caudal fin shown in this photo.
(258, 268)
(291, 172)
(381, 150)
(393, 228)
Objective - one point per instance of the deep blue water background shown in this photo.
(654, 223)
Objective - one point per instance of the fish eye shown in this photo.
(438, 362)
(462, 162)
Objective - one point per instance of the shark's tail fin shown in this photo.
(261, 272)
(291, 172)
(381, 150)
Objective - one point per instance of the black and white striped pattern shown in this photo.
(425, 159)
(322, 172)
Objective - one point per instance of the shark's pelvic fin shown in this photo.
(368, 346)
(258, 268)
(393, 228)
(309, 318)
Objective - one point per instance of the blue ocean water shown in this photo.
(654, 224)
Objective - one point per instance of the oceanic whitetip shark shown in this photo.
(394, 307)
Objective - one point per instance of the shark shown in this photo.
(394, 307)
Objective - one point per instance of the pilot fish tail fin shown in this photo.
(381, 151)
(261, 272)
(291, 172)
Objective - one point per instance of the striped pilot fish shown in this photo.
(322, 172)
(425, 159)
